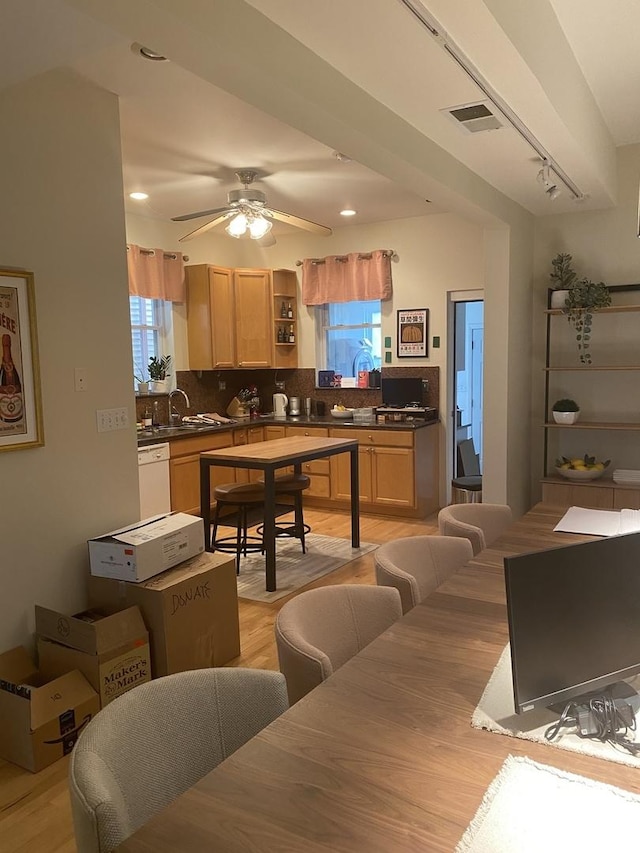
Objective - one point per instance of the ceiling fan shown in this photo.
(247, 211)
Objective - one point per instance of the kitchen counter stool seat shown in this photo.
(239, 497)
(293, 485)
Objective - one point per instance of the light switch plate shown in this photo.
(387, 358)
(112, 419)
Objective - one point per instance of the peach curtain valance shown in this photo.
(156, 274)
(357, 277)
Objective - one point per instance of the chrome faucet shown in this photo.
(174, 416)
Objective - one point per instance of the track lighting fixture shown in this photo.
(546, 180)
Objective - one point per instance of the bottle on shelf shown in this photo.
(279, 334)
(292, 337)
(155, 418)
(290, 312)
(147, 418)
(283, 309)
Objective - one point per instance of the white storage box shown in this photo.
(145, 549)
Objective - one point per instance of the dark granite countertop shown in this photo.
(161, 434)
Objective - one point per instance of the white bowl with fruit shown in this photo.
(581, 468)
(341, 412)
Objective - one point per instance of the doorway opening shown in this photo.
(466, 377)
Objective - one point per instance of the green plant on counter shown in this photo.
(159, 367)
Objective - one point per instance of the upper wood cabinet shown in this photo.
(210, 317)
(230, 317)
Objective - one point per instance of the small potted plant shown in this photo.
(159, 370)
(565, 411)
(585, 296)
(562, 277)
(143, 385)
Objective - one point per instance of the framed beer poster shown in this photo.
(413, 331)
(20, 401)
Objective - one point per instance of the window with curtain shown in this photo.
(150, 331)
(349, 337)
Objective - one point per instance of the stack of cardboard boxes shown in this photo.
(159, 604)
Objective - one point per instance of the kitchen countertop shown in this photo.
(165, 433)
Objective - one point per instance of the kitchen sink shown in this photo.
(169, 430)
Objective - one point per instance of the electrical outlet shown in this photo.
(112, 419)
(279, 385)
(436, 341)
(222, 385)
(80, 378)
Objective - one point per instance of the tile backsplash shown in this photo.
(206, 395)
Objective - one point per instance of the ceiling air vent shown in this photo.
(474, 118)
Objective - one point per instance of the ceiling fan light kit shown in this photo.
(248, 208)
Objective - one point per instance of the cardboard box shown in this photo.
(145, 549)
(111, 651)
(191, 612)
(40, 719)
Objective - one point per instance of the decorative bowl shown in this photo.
(577, 474)
(342, 414)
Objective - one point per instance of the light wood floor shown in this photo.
(35, 814)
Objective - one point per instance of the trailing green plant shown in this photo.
(562, 274)
(159, 367)
(584, 297)
(565, 405)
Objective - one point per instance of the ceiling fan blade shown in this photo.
(306, 224)
(266, 241)
(204, 228)
(196, 215)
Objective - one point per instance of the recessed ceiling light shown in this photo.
(347, 212)
(139, 196)
(147, 53)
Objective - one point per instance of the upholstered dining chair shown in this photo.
(319, 630)
(154, 742)
(417, 565)
(481, 524)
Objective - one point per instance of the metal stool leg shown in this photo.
(300, 531)
(216, 516)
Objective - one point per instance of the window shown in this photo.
(349, 337)
(150, 331)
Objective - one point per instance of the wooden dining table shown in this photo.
(269, 456)
(381, 757)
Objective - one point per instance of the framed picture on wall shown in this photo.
(413, 332)
(20, 402)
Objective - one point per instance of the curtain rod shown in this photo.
(170, 256)
(363, 256)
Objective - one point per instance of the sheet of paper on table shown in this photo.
(599, 522)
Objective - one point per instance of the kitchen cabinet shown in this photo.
(318, 470)
(231, 317)
(607, 393)
(285, 289)
(184, 470)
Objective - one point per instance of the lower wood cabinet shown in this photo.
(317, 470)
(595, 495)
(398, 468)
(184, 470)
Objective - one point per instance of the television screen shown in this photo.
(402, 390)
(574, 619)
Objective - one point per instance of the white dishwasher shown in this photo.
(153, 476)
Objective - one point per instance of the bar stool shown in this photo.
(240, 497)
(468, 487)
(292, 485)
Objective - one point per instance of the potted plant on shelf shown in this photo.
(159, 370)
(143, 385)
(584, 297)
(562, 277)
(565, 411)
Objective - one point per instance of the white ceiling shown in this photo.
(183, 137)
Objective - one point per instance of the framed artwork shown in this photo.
(413, 332)
(20, 401)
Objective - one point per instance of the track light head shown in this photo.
(544, 178)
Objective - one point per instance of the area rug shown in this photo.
(495, 713)
(293, 568)
(530, 808)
